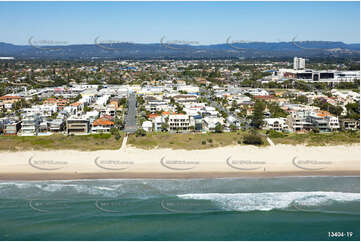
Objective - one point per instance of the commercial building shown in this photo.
(299, 63)
(328, 76)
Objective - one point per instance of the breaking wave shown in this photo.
(273, 200)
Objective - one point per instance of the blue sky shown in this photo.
(202, 22)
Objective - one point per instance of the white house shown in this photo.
(210, 123)
(158, 121)
(147, 126)
(277, 124)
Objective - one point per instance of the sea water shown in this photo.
(285, 208)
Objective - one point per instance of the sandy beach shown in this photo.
(232, 161)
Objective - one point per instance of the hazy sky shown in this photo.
(197, 22)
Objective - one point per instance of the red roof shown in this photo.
(9, 97)
(103, 122)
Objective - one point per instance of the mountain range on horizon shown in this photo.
(164, 50)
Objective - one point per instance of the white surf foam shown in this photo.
(272, 200)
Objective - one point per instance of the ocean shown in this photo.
(285, 208)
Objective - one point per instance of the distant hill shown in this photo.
(308, 49)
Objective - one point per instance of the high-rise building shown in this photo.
(299, 63)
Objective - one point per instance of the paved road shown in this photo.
(217, 105)
(130, 120)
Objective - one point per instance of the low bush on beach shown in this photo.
(188, 141)
(140, 132)
(60, 142)
(253, 139)
(101, 136)
(275, 134)
(320, 139)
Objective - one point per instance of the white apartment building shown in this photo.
(179, 122)
(30, 125)
(297, 122)
(333, 123)
(299, 63)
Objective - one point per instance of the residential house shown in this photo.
(179, 122)
(196, 122)
(147, 126)
(232, 120)
(30, 125)
(57, 125)
(349, 124)
(297, 122)
(77, 125)
(319, 122)
(277, 124)
(102, 125)
(12, 127)
(158, 121)
(210, 123)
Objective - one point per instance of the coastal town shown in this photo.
(180, 120)
(141, 97)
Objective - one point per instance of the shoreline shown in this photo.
(223, 162)
(165, 176)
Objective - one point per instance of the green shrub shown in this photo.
(117, 136)
(140, 132)
(113, 131)
(252, 139)
(101, 136)
(204, 142)
(275, 134)
(315, 130)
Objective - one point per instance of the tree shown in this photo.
(179, 108)
(114, 131)
(276, 111)
(324, 105)
(172, 101)
(117, 136)
(218, 128)
(353, 110)
(140, 132)
(233, 127)
(87, 109)
(164, 127)
(35, 99)
(301, 99)
(257, 116)
(118, 123)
